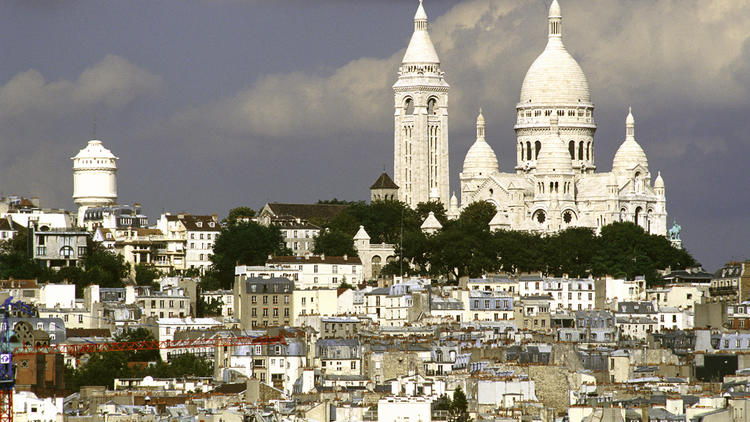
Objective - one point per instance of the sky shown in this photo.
(213, 104)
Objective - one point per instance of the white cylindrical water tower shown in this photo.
(94, 178)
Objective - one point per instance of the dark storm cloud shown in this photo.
(291, 100)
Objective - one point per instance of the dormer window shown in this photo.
(211, 224)
(199, 224)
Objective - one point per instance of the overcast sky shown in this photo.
(218, 103)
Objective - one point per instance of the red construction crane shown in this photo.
(6, 391)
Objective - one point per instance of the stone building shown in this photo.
(554, 184)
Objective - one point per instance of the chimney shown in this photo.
(322, 257)
(346, 257)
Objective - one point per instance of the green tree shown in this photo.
(459, 406)
(15, 260)
(208, 307)
(334, 243)
(146, 275)
(239, 214)
(247, 243)
(478, 215)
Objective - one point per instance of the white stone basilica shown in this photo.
(554, 185)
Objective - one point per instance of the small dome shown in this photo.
(95, 149)
(629, 155)
(659, 182)
(480, 159)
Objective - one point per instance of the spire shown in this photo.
(420, 50)
(420, 18)
(480, 125)
(555, 20)
(630, 125)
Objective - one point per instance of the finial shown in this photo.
(93, 129)
(555, 20)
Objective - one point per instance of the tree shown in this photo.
(459, 406)
(208, 307)
(239, 214)
(145, 275)
(15, 260)
(478, 215)
(244, 243)
(334, 243)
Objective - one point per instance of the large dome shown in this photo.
(555, 76)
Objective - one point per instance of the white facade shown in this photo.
(27, 407)
(420, 164)
(405, 409)
(571, 294)
(554, 184)
(94, 177)
(314, 302)
(318, 271)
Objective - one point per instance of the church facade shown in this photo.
(554, 184)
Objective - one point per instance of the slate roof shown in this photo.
(196, 223)
(306, 211)
(384, 182)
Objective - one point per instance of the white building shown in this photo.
(197, 233)
(405, 409)
(27, 407)
(566, 293)
(373, 255)
(319, 271)
(314, 302)
(420, 148)
(554, 183)
(94, 178)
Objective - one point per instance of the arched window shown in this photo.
(521, 145)
(588, 151)
(637, 216)
(431, 106)
(528, 150)
(572, 149)
(580, 150)
(376, 265)
(557, 186)
(567, 217)
(623, 212)
(538, 147)
(408, 106)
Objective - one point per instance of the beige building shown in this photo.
(263, 302)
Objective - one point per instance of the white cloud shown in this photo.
(112, 83)
(632, 52)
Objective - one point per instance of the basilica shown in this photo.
(554, 184)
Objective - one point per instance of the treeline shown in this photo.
(103, 368)
(466, 247)
(100, 266)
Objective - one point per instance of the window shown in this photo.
(41, 250)
(253, 299)
(315, 268)
(275, 312)
(254, 312)
(286, 312)
(354, 364)
(265, 300)
(275, 300)
(265, 312)
(335, 269)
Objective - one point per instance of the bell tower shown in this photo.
(420, 159)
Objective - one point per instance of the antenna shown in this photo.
(93, 131)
